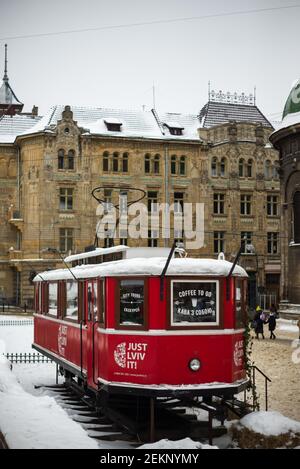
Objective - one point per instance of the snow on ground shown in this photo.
(16, 339)
(30, 422)
(186, 443)
(270, 423)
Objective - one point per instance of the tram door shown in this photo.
(91, 320)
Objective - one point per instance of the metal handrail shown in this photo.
(261, 372)
(267, 379)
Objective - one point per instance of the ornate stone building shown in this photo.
(286, 139)
(50, 165)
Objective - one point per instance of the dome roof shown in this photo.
(292, 104)
(290, 115)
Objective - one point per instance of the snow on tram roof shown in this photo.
(146, 267)
(96, 252)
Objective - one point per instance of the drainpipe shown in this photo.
(167, 198)
(18, 178)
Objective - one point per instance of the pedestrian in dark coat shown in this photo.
(259, 323)
(272, 325)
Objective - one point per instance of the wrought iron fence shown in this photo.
(27, 358)
(16, 322)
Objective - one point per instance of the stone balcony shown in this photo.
(14, 254)
(15, 218)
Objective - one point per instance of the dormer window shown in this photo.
(174, 128)
(113, 125)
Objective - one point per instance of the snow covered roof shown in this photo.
(113, 120)
(135, 123)
(146, 266)
(288, 120)
(12, 126)
(217, 113)
(97, 252)
(173, 125)
(291, 112)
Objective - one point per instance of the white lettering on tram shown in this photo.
(62, 339)
(129, 355)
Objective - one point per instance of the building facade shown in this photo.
(286, 139)
(221, 157)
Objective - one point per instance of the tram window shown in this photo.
(194, 303)
(40, 305)
(132, 302)
(52, 288)
(239, 304)
(38, 297)
(101, 301)
(44, 298)
(72, 300)
(92, 301)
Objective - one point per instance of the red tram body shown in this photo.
(113, 331)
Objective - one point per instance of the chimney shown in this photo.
(35, 111)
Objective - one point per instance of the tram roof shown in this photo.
(146, 267)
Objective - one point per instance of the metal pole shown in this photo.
(266, 393)
(210, 437)
(152, 419)
(253, 387)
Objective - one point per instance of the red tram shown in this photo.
(121, 327)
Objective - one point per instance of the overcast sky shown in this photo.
(116, 67)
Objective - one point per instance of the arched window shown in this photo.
(105, 161)
(156, 164)
(115, 162)
(147, 163)
(241, 168)
(267, 169)
(173, 164)
(223, 167)
(71, 159)
(125, 163)
(182, 166)
(61, 157)
(249, 168)
(296, 210)
(214, 167)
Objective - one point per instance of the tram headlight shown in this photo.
(194, 364)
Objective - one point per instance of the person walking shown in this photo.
(272, 325)
(273, 309)
(259, 320)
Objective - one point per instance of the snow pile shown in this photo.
(287, 325)
(30, 422)
(265, 430)
(270, 423)
(186, 443)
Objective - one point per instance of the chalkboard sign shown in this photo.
(195, 302)
(132, 302)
